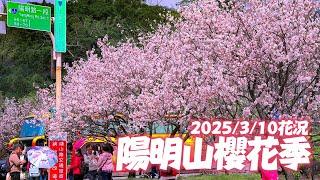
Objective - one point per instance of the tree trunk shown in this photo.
(150, 128)
(174, 132)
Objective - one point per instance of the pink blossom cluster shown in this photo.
(244, 58)
(15, 111)
(11, 118)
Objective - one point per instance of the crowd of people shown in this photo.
(18, 166)
(94, 163)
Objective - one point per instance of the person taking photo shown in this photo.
(15, 162)
(91, 160)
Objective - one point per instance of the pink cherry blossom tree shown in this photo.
(251, 58)
(15, 111)
(243, 58)
(11, 119)
(272, 58)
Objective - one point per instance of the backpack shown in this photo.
(34, 171)
(7, 165)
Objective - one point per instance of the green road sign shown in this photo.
(60, 25)
(29, 16)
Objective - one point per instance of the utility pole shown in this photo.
(56, 56)
(58, 81)
(60, 45)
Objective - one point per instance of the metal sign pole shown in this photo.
(60, 32)
(58, 81)
(58, 57)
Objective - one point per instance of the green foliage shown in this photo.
(25, 55)
(24, 60)
(89, 20)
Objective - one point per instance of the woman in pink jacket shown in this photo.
(105, 162)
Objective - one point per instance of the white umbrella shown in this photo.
(42, 157)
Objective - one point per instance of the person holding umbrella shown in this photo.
(76, 165)
(34, 172)
(40, 159)
(91, 160)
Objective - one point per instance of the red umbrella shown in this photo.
(79, 143)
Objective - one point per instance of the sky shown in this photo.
(167, 3)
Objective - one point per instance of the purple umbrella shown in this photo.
(42, 157)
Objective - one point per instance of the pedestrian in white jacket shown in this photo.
(91, 160)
